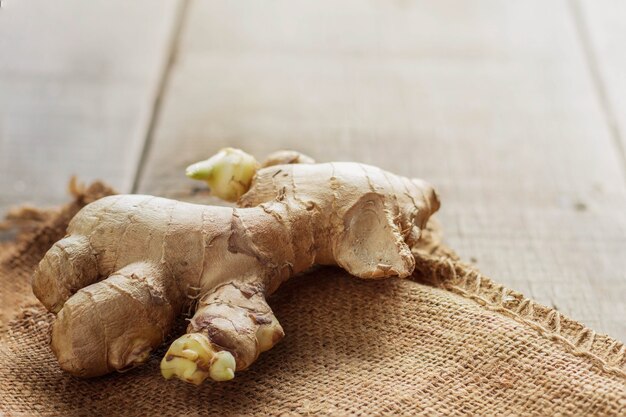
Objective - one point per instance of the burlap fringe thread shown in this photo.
(607, 354)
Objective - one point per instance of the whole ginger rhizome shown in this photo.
(123, 273)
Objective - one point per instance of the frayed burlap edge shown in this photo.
(448, 273)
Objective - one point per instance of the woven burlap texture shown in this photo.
(449, 341)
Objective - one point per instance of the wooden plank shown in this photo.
(490, 100)
(604, 34)
(77, 84)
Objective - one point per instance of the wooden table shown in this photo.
(515, 110)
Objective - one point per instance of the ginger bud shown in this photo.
(228, 173)
(192, 358)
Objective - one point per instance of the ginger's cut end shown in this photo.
(192, 358)
(228, 173)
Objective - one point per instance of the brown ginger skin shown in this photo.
(130, 264)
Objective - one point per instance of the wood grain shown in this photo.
(492, 101)
(77, 84)
(604, 35)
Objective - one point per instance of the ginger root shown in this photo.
(131, 264)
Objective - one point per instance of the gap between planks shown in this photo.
(180, 18)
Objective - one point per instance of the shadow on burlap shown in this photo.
(447, 342)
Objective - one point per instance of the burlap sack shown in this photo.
(447, 342)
